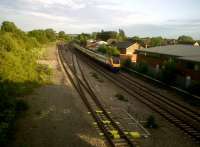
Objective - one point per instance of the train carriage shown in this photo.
(112, 62)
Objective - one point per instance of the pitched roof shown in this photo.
(124, 44)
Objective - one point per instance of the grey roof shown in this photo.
(186, 51)
(124, 44)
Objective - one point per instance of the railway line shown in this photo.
(113, 132)
(182, 117)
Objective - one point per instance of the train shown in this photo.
(112, 63)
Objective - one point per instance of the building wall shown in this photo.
(128, 53)
(185, 70)
(182, 66)
(131, 49)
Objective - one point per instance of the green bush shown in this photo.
(102, 49)
(109, 50)
(19, 72)
(121, 97)
(168, 72)
(151, 122)
(141, 67)
(127, 63)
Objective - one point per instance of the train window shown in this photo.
(116, 60)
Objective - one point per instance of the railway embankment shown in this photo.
(57, 116)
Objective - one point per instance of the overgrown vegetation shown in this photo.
(19, 71)
(121, 97)
(108, 50)
(167, 73)
(96, 77)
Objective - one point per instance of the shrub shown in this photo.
(102, 49)
(18, 73)
(127, 63)
(142, 67)
(151, 123)
(168, 72)
(110, 51)
(121, 97)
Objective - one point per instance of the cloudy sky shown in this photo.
(167, 18)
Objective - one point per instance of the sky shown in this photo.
(166, 18)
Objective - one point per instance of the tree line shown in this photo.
(144, 41)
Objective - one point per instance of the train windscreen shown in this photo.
(116, 60)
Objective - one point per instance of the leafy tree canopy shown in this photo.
(185, 40)
(109, 50)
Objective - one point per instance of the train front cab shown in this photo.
(115, 64)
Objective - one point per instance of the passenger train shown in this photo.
(112, 63)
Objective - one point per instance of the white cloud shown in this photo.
(50, 16)
(74, 4)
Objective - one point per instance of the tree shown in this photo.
(102, 49)
(156, 41)
(121, 35)
(108, 50)
(40, 35)
(19, 73)
(61, 34)
(9, 27)
(185, 40)
(105, 35)
(50, 34)
(82, 38)
(136, 39)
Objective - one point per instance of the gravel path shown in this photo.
(57, 116)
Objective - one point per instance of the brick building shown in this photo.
(187, 58)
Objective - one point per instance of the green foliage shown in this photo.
(109, 50)
(121, 35)
(9, 27)
(50, 34)
(40, 36)
(151, 122)
(64, 37)
(121, 97)
(18, 71)
(136, 39)
(156, 41)
(127, 63)
(82, 38)
(113, 51)
(185, 40)
(105, 35)
(141, 67)
(102, 49)
(168, 72)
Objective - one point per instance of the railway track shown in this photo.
(181, 116)
(112, 131)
